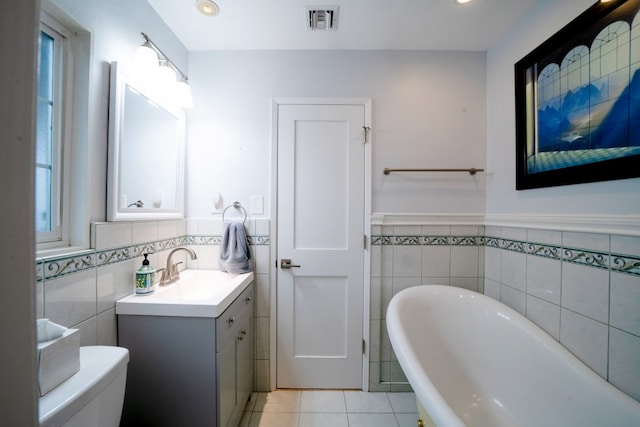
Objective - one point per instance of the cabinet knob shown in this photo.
(231, 320)
(248, 300)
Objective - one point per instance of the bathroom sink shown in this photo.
(198, 293)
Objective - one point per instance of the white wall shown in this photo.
(428, 112)
(621, 197)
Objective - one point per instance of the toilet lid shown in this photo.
(99, 365)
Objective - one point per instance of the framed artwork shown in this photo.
(578, 101)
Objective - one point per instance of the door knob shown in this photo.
(285, 264)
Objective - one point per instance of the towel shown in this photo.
(47, 330)
(235, 256)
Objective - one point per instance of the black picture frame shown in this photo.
(576, 123)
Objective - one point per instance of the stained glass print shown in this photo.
(583, 101)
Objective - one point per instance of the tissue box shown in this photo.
(58, 359)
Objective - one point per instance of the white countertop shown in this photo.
(198, 293)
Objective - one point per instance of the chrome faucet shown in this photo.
(171, 273)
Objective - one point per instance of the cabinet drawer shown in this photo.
(227, 325)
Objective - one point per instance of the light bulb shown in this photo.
(183, 96)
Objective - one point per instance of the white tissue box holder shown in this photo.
(58, 359)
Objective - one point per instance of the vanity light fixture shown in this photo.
(207, 7)
(154, 66)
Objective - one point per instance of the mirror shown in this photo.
(146, 153)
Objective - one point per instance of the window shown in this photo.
(53, 119)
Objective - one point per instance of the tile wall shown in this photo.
(80, 290)
(582, 288)
(408, 255)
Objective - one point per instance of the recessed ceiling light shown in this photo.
(207, 7)
(461, 1)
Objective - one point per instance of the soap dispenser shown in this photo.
(144, 277)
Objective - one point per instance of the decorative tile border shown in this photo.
(54, 267)
(628, 264)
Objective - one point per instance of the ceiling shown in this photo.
(362, 24)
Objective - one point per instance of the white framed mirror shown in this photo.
(146, 153)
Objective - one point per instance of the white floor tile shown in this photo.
(323, 420)
(274, 419)
(407, 420)
(323, 401)
(278, 401)
(372, 420)
(362, 402)
(403, 402)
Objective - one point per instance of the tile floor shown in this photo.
(331, 408)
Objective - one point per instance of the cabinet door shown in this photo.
(245, 361)
(226, 361)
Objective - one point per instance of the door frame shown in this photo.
(273, 320)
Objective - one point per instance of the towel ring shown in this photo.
(236, 205)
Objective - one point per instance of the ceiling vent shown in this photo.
(322, 17)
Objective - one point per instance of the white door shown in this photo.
(321, 230)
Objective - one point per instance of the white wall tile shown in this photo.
(71, 299)
(547, 237)
(262, 337)
(436, 230)
(519, 234)
(513, 268)
(167, 229)
(107, 330)
(88, 332)
(595, 242)
(464, 261)
(39, 287)
(514, 298)
(545, 315)
(586, 338)
(262, 294)
(492, 289)
(624, 360)
(262, 257)
(585, 290)
(625, 302)
(407, 261)
(470, 283)
(114, 281)
(110, 235)
(625, 245)
(492, 261)
(375, 298)
(464, 230)
(144, 232)
(436, 261)
(543, 278)
(208, 257)
(262, 226)
(210, 226)
(386, 261)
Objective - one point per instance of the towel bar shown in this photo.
(472, 171)
(236, 205)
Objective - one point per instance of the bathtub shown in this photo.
(473, 361)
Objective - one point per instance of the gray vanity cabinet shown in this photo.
(234, 358)
(189, 371)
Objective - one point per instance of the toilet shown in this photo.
(93, 397)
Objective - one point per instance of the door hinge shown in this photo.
(365, 242)
(366, 130)
(364, 346)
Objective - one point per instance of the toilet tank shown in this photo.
(92, 397)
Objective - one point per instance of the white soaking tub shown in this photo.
(473, 361)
